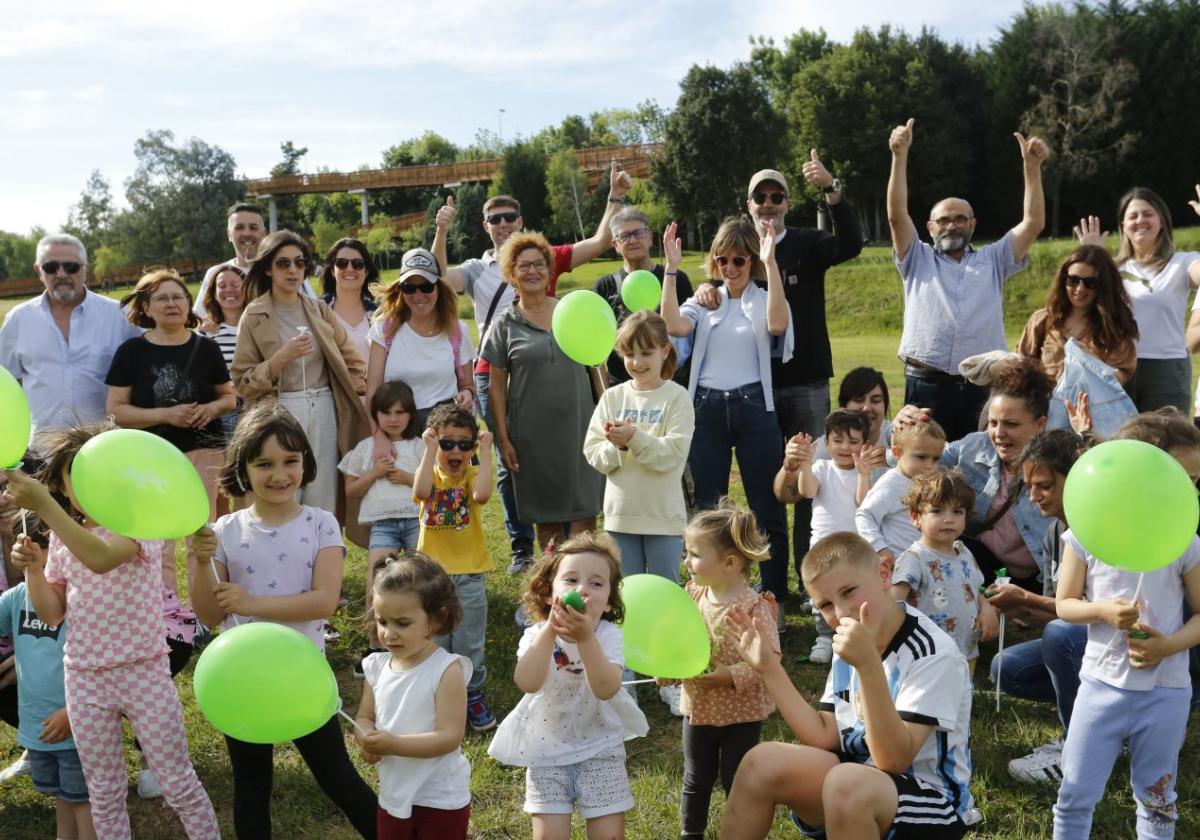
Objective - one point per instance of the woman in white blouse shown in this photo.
(347, 283)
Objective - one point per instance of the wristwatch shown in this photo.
(836, 186)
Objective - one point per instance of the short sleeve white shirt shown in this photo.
(1159, 303)
(835, 503)
(383, 499)
(427, 365)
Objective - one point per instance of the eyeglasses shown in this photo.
(526, 267)
(283, 263)
(1074, 280)
(357, 264)
(460, 445)
(945, 221)
(497, 218)
(631, 235)
(424, 287)
(53, 266)
(169, 299)
(776, 197)
(738, 262)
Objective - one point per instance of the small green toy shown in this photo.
(573, 599)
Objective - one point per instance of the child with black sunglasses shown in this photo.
(452, 491)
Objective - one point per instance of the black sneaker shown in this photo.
(520, 562)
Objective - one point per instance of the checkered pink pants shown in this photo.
(143, 693)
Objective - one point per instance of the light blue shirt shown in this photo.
(39, 652)
(954, 309)
(64, 380)
(737, 363)
(754, 306)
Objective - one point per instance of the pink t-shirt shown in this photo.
(117, 617)
(275, 560)
(1004, 539)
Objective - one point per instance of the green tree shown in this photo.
(379, 238)
(645, 123)
(523, 176)
(20, 252)
(466, 237)
(177, 198)
(324, 234)
(566, 189)
(108, 260)
(91, 217)
(340, 209)
(430, 147)
(722, 130)
(777, 66)
(287, 207)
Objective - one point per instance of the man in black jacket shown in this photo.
(801, 386)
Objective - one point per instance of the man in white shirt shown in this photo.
(59, 345)
(245, 231)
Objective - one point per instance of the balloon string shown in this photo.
(1137, 593)
(638, 682)
(216, 577)
(353, 723)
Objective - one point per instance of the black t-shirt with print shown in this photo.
(162, 375)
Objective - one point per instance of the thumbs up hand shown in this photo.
(854, 639)
(815, 172)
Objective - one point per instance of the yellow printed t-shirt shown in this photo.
(452, 525)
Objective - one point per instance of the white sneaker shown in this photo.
(20, 767)
(147, 786)
(1043, 766)
(822, 651)
(972, 817)
(671, 695)
(331, 633)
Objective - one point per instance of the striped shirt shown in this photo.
(226, 338)
(929, 684)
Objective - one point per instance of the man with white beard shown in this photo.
(953, 293)
(245, 230)
(59, 344)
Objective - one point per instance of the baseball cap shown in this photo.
(767, 175)
(419, 261)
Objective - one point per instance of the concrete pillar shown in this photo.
(272, 213)
(362, 199)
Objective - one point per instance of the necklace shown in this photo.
(428, 332)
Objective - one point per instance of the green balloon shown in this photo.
(665, 635)
(139, 485)
(641, 290)
(265, 683)
(584, 327)
(1131, 505)
(15, 421)
(574, 600)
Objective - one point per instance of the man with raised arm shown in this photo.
(480, 279)
(953, 293)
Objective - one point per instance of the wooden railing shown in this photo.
(400, 224)
(635, 159)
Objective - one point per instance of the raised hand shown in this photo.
(753, 639)
(1079, 415)
(1195, 205)
(1088, 230)
(853, 639)
(619, 181)
(1034, 151)
(815, 172)
(869, 457)
(430, 437)
(901, 138)
(445, 214)
(672, 247)
(798, 452)
(766, 242)
(485, 441)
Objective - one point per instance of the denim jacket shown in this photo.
(977, 459)
(1108, 403)
(754, 305)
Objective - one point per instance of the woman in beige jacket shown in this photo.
(293, 347)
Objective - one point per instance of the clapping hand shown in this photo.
(869, 457)
(798, 452)
(619, 432)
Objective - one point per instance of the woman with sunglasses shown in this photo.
(730, 380)
(541, 400)
(294, 348)
(346, 285)
(1087, 302)
(417, 338)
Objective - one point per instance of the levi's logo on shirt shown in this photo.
(31, 625)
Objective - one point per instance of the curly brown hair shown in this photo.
(510, 250)
(939, 487)
(1165, 428)
(1025, 379)
(1110, 320)
(539, 586)
(138, 301)
(420, 574)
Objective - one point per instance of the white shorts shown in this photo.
(599, 786)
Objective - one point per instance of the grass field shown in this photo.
(864, 305)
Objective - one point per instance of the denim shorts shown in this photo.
(58, 773)
(395, 533)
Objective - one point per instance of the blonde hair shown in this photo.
(834, 550)
(906, 436)
(539, 586)
(646, 330)
(732, 530)
(393, 311)
(736, 236)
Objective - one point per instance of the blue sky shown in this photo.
(349, 79)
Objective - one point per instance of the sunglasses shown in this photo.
(356, 264)
(424, 287)
(738, 262)
(53, 266)
(460, 445)
(284, 263)
(497, 218)
(776, 197)
(1074, 280)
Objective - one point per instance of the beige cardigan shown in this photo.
(258, 339)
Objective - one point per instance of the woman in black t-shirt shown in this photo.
(171, 381)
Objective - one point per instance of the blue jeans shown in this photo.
(1046, 668)
(738, 421)
(395, 533)
(656, 554)
(1154, 722)
(802, 408)
(467, 639)
(520, 535)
